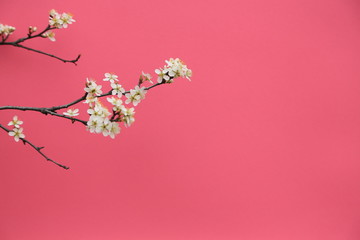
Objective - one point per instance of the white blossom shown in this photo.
(94, 124)
(145, 77)
(112, 129)
(99, 110)
(50, 35)
(72, 112)
(55, 19)
(104, 125)
(6, 30)
(67, 19)
(162, 75)
(128, 116)
(15, 122)
(135, 99)
(117, 89)
(111, 77)
(135, 95)
(58, 20)
(17, 134)
(92, 87)
(174, 68)
(117, 104)
(53, 13)
(91, 99)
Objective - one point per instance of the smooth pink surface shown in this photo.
(262, 144)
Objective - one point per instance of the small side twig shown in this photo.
(45, 111)
(38, 149)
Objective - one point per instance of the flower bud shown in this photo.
(32, 29)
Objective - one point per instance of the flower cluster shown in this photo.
(100, 120)
(105, 121)
(17, 131)
(174, 68)
(92, 88)
(58, 20)
(120, 112)
(6, 30)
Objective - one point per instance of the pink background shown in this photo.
(262, 144)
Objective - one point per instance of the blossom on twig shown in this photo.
(135, 95)
(144, 77)
(72, 112)
(128, 116)
(111, 129)
(111, 77)
(50, 35)
(17, 134)
(117, 89)
(92, 87)
(117, 104)
(174, 68)
(16, 122)
(17, 131)
(58, 20)
(6, 30)
(67, 19)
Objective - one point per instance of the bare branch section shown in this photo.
(39, 35)
(38, 149)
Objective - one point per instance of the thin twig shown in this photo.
(30, 36)
(67, 117)
(67, 105)
(38, 149)
(45, 111)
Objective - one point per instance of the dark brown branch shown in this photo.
(67, 117)
(38, 149)
(67, 105)
(52, 110)
(45, 111)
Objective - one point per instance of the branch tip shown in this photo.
(38, 149)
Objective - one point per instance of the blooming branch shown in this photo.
(56, 21)
(100, 118)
